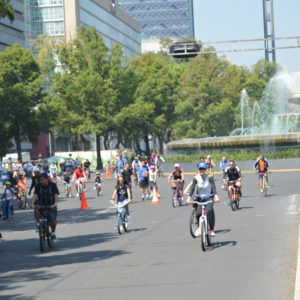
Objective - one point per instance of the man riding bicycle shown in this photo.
(46, 194)
(261, 166)
(204, 189)
(178, 175)
(233, 173)
(79, 177)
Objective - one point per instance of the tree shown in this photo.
(6, 10)
(20, 94)
(84, 96)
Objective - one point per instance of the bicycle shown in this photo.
(98, 188)
(23, 199)
(44, 228)
(203, 224)
(234, 196)
(264, 183)
(176, 196)
(68, 190)
(194, 223)
(121, 216)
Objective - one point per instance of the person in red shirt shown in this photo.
(21, 188)
(79, 177)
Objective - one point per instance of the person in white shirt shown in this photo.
(153, 179)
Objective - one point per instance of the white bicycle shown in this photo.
(121, 216)
(203, 225)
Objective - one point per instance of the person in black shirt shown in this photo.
(233, 173)
(34, 181)
(128, 175)
(46, 194)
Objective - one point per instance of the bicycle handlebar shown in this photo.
(202, 203)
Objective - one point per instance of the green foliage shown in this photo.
(20, 94)
(6, 10)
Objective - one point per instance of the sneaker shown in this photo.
(143, 198)
(100, 193)
(4, 218)
(77, 195)
(222, 186)
(198, 231)
(267, 184)
(261, 190)
(212, 233)
(53, 237)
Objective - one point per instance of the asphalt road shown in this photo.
(254, 253)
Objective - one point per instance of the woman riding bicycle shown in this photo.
(204, 189)
(178, 175)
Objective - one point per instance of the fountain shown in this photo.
(274, 122)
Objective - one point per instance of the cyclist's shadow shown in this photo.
(217, 244)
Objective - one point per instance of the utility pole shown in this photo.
(269, 31)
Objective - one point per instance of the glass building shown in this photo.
(162, 18)
(13, 32)
(63, 19)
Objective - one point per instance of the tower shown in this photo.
(269, 31)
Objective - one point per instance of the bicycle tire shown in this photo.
(193, 224)
(42, 237)
(120, 225)
(125, 223)
(49, 239)
(208, 240)
(237, 203)
(232, 204)
(98, 192)
(174, 202)
(203, 237)
(23, 201)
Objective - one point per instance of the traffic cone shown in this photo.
(155, 199)
(83, 201)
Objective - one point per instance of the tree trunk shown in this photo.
(146, 140)
(161, 143)
(18, 140)
(98, 151)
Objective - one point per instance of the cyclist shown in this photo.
(86, 166)
(67, 182)
(159, 162)
(21, 188)
(177, 174)
(46, 194)
(143, 179)
(210, 163)
(122, 192)
(35, 180)
(98, 182)
(80, 178)
(224, 163)
(53, 169)
(8, 201)
(261, 166)
(233, 173)
(203, 189)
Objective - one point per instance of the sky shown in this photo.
(221, 20)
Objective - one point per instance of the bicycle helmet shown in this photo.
(177, 166)
(97, 173)
(7, 183)
(202, 165)
(152, 167)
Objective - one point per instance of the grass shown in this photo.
(236, 155)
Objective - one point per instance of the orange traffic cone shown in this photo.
(83, 202)
(155, 199)
(108, 174)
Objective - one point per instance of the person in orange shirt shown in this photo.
(21, 188)
(80, 178)
(261, 166)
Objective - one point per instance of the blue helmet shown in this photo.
(202, 165)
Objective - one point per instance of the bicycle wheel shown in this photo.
(232, 203)
(98, 191)
(237, 203)
(49, 239)
(203, 237)
(42, 237)
(174, 201)
(120, 225)
(194, 224)
(23, 201)
(265, 187)
(208, 240)
(125, 223)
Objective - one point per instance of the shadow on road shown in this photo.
(222, 231)
(223, 244)
(245, 207)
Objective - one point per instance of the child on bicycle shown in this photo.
(67, 182)
(97, 182)
(122, 192)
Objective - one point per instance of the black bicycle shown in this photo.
(44, 228)
(233, 195)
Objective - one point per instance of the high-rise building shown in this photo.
(161, 18)
(13, 32)
(63, 18)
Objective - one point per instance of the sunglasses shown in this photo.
(202, 169)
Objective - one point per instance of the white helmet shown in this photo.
(176, 166)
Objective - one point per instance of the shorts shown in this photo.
(180, 185)
(82, 179)
(52, 214)
(144, 183)
(261, 176)
(152, 184)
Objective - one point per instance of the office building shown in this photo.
(13, 32)
(160, 18)
(63, 19)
